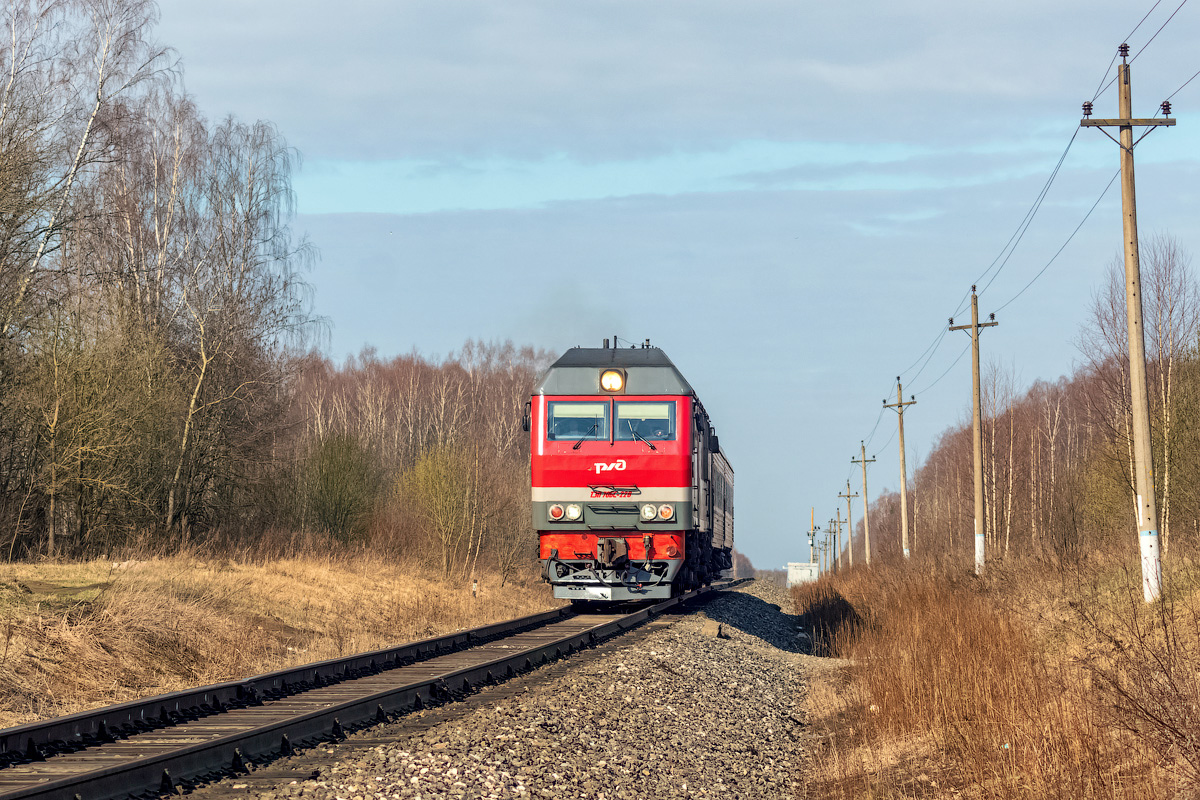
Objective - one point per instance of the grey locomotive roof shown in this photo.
(647, 371)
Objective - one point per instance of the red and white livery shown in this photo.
(632, 496)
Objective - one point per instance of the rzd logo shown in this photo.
(602, 467)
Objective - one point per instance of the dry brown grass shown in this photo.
(75, 636)
(1027, 685)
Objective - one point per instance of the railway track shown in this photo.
(168, 743)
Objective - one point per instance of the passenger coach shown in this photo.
(632, 496)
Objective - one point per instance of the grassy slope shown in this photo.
(75, 636)
(1031, 683)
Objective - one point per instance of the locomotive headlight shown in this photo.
(612, 380)
(649, 512)
(556, 512)
(574, 512)
(666, 511)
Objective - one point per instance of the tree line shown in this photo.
(414, 457)
(156, 381)
(1058, 458)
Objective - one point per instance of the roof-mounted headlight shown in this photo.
(612, 380)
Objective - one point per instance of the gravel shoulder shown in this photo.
(667, 711)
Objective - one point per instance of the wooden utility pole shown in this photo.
(977, 422)
(866, 513)
(849, 527)
(899, 406)
(1143, 464)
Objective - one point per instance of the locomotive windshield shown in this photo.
(649, 421)
(577, 420)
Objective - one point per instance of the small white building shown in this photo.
(801, 572)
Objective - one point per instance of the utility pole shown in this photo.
(830, 532)
(1143, 465)
(899, 406)
(866, 514)
(976, 422)
(849, 527)
(837, 542)
(812, 534)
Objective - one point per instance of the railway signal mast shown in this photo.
(899, 406)
(1147, 510)
(977, 423)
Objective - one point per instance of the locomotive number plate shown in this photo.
(595, 592)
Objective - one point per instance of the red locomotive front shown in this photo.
(632, 497)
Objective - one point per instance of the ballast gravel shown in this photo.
(670, 711)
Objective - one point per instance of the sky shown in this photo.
(790, 198)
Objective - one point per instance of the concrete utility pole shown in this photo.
(866, 514)
(1143, 464)
(837, 542)
(830, 532)
(849, 527)
(899, 406)
(812, 534)
(977, 422)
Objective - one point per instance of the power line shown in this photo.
(1142, 49)
(941, 336)
(1002, 258)
(1116, 174)
(1185, 83)
(1022, 227)
(1064, 244)
(1014, 240)
(932, 344)
(944, 374)
(1037, 204)
(1009, 248)
(875, 427)
(1143, 19)
(1100, 87)
(885, 444)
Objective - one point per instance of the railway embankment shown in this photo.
(75, 636)
(669, 710)
(1038, 680)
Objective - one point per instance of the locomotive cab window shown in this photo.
(574, 420)
(649, 421)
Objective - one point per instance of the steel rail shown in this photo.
(39, 739)
(110, 772)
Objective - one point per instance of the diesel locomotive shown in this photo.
(632, 495)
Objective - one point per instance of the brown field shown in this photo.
(1031, 683)
(79, 635)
